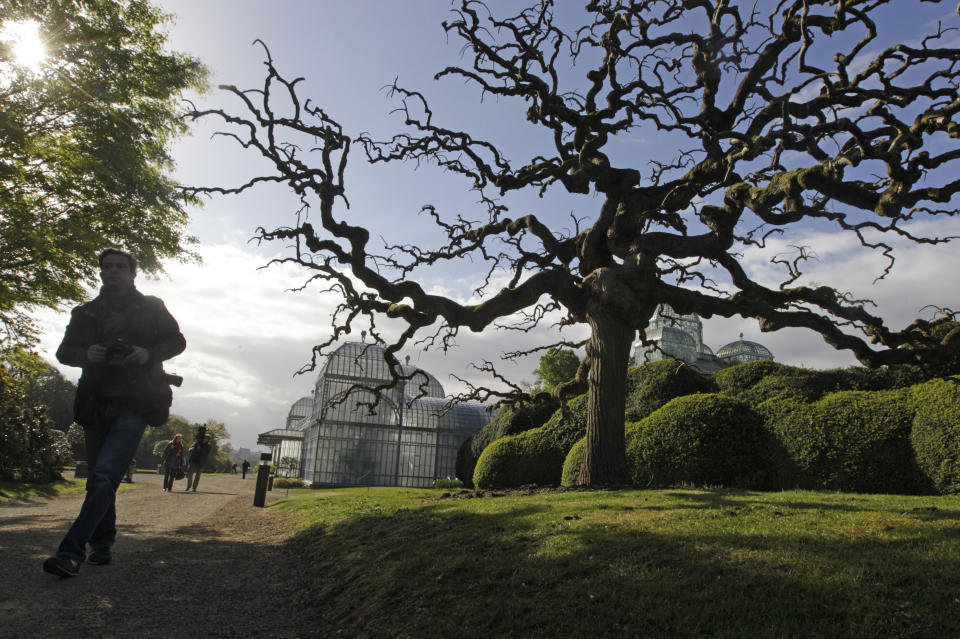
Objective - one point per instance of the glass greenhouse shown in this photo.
(401, 442)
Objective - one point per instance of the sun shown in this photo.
(25, 43)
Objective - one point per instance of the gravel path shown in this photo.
(204, 564)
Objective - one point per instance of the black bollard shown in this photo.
(260, 492)
(263, 477)
(81, 470)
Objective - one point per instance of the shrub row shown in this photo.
(770, 426)
(897, 441)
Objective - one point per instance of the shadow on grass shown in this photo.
(528, 569)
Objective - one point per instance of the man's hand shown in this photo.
(138, 356)
(97, 354)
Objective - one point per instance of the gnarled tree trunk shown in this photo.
(604, 459)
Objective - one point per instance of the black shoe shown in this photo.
(99, 557)
(61, 567)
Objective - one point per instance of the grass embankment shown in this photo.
(68, 485)
(632, 563)
(15, 491)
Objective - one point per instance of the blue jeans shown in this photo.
(111, 444)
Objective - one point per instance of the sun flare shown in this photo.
(25, 43)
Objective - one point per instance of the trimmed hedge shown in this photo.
(534, 456)
(935, 437)
(509, 420)
(654, 384)
(741, 377)
(704, 440)
(854, 441)
(573, 461)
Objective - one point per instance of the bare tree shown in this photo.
(808, 114)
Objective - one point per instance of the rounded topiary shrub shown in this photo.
(706, 439)
(874, 379)
(654, 384)
(509, 420)
(571, 464)
(936, 433)
(736, 379)
(855, 441)
(534, 456)
(806, 386)
(518, 460)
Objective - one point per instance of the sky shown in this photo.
(249, 334)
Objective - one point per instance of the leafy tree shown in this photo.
(50, 389)
(770, 119)
(31, 449)
(77, 442)
(557, 366)
(84, 144)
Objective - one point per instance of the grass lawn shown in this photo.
(393, 562)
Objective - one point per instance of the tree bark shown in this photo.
(604, 456)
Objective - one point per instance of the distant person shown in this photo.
(199, 453)
(234, 469)
(120, 340)
(172, 461)
(245, 467)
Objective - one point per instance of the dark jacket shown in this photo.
(170, 458)
(147, 324)
(199, 453)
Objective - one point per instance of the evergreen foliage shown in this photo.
(534, 456)
(774, 426)
(737, 379)
(705, 439)
(31, 449)
(654, 384)
(936, 433)
(509, 420)
(571, 463)
(855, 441)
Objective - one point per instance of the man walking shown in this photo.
(199, 453)
(245, 467)
(120, 340)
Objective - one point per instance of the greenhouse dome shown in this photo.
(742, 351)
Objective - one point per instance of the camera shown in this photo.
(117, 351)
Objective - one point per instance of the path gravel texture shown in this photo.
(204, 564)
